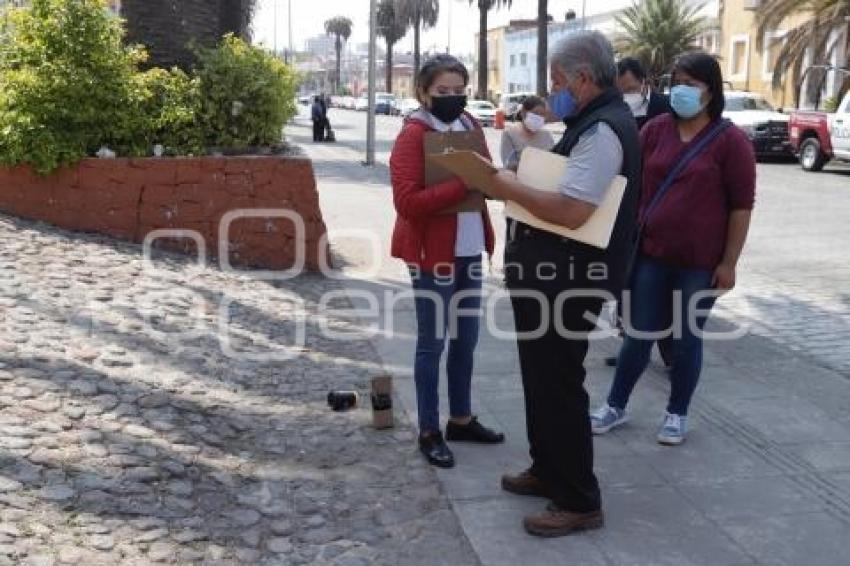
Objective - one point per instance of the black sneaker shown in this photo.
(436, 450)
(473, 432)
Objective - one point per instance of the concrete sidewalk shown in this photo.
(763, 479)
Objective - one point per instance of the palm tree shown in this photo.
(392, 28)
(484, 7)
(236, 17)
(168, 28)
(810, 38)
(340, 28)
(542, 46)
(420, 15)
(658, 31)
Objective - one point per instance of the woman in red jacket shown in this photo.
(440, 232)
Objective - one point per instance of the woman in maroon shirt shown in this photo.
(691, 241)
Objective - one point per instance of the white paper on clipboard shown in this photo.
(543, 170)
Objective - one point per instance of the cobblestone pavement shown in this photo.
(128, 437)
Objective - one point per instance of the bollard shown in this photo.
(499, 122)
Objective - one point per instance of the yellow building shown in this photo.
(748, 67)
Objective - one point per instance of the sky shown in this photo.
(308, 17)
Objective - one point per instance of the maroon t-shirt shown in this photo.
(688, 226)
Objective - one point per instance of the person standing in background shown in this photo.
(317, 115)
(644, 102)
(529, 132)
(645, 105)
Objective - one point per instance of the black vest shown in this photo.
(609, 108)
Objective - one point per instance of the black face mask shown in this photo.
(447, 109)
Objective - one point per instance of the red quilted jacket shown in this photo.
(423, 237)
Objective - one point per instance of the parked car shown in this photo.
(406, 106)
(511, 103)
(765, 126)
(384, 103)
(818, 137)
(362, 103)
(482, 110)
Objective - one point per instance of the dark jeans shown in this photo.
(437, 318)
(652, 298)
(318, 130)
(552, 366)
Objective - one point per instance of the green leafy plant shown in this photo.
(658, 31)
(66, 83)
(246, 95)
(168, 104)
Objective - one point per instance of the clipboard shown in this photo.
(442, 142)
(543, 170)
(468, 165)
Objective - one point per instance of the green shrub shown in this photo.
(168, 101)
(247, 95)
(69, 86)
(66, 83)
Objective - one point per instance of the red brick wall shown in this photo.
(128, 198)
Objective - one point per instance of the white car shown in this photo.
(406, 106)
(765, 126)
(482, 110)
(362, 103)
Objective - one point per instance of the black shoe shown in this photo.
(473, 432)
(436, 450)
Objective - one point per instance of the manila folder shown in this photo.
(543, 170)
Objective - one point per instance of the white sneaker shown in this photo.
(607, 417)
(673, 430)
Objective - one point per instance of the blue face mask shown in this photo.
(562, 104)
(685, 101)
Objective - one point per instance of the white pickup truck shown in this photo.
(818, 137)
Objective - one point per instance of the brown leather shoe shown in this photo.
(525, 483)
(558, 522)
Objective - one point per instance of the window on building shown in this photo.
(513, 60)
(773, 42)
(738, 55)
(523, 59)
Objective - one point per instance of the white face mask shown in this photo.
(637, 102)
(534, 122)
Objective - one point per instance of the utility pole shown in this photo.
(275, 27)
(449, 43)
(292, 53)
(584, 14)
(370, 114)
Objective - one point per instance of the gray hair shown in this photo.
(587, 51)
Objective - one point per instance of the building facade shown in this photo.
(497, 57)
(748, 67)
(520, 59)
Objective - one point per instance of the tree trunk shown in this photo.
(542, 46)
(389, 67)
(482, 53)
(338, 77)
(417, 56)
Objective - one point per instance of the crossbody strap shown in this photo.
(683, 161)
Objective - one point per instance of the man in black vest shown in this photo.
(558, 285)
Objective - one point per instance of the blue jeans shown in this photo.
(437, 318)
(652, 299)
